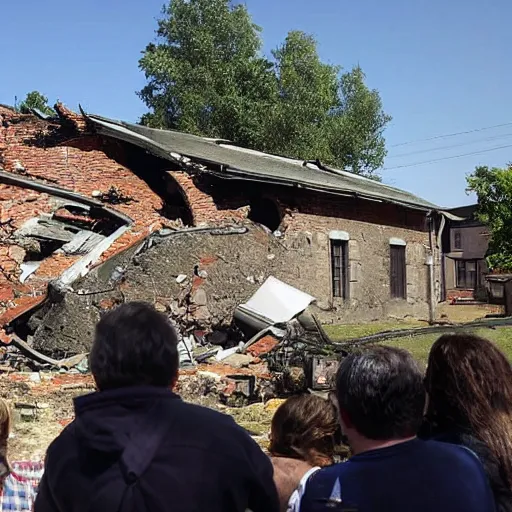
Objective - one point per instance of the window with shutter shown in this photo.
(398, 281)
(339, 268)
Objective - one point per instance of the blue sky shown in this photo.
(441, 67)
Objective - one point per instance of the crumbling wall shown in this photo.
(62, 153)
(199, 277)
(206, 211)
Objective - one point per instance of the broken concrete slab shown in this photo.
(150, 274)
(276, 302)
(239, 360)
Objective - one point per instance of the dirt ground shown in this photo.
(42, 405)
(461, 313)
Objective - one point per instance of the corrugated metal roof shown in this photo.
(240, 163)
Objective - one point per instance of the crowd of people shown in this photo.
(440, 441)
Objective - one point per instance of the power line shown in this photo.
(451, 135)
(447, 158)
(496, 137)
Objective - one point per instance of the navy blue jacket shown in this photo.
(145, 450)
(415, 476)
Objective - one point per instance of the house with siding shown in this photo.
(77, 189)
(465, 243)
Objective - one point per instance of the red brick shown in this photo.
(6, 293)
(263, 346)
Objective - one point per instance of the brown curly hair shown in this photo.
(305, 427)
(469, 386)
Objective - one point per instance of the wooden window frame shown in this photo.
(397, 271)
(464, 284)
(457, 240)
(340, 271)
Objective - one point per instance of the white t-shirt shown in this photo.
(296, 497)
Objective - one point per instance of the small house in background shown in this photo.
(464, 246)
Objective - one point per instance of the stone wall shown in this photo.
(369, 226)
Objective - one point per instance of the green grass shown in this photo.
(350, 331)
(419, 346)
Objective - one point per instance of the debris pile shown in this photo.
(273, 346)
(246, 334)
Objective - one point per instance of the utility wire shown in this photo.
(447, 158)
(451, 135)
(478, 141)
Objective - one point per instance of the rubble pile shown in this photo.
(246, 336)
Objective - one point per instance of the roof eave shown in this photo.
(237, 174)
(123, 133)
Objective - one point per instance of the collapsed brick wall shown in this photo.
(61, 154)
(205, 210)
(66, 154)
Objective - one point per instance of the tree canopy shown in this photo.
(35, 100)
(206, 75)
(493, 188)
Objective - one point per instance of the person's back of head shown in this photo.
(469, 387)
(134, 345)
(380, 396)
(305, 427)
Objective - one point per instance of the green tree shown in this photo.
(206, 76)
(325, 115)
(35, 100)
(357, 136)
(493, 188)
(307, 94)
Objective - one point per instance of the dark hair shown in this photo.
(305, 427)
(469, 383)
(134, 345)
(381, 391)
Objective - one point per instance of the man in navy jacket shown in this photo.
(136, 446)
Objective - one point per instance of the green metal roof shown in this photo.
(239, 163)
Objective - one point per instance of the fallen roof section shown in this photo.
(9, 178)
(67, 236)
(240, 163)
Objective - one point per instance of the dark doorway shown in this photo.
(265, 211)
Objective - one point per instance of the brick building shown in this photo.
(75, 190)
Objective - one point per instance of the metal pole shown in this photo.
(431, 276)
